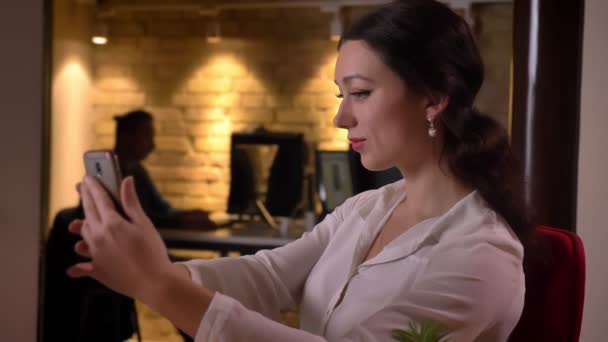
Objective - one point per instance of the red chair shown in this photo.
(555, 292)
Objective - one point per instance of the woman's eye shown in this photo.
(360, 94)
(355, 94)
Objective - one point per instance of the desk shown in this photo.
(242, 238)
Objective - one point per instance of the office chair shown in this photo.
(80, 309)
(553, 308)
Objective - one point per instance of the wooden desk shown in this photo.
(242, 238)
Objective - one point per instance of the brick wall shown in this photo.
(274, 67)
(494, 35)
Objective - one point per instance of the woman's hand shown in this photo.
(127, 254)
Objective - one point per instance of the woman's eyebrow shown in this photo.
(349, 78)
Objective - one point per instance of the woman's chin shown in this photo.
(372, 164)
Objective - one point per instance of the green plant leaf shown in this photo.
(428, 331)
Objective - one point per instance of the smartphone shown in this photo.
(103, 164)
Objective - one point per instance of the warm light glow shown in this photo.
(71, 120)
(221, 65)
(214, 40)
(335, 27)
(216, 114)
(213, 32)
(99, 40)
(220, 129)
(100, 33)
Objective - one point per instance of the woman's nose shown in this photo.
(344, 117)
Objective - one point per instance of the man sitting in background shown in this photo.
(134, 142)
(82, 309)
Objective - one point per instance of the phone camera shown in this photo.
(98, 169)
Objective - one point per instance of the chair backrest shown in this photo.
(553, 308)
(79, 309)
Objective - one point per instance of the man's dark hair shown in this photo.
(131, 121)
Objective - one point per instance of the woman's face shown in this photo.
(386, 122)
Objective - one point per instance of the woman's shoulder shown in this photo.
(475, 227)
(383, 196)
(476, 241)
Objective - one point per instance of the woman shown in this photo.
(444, 245)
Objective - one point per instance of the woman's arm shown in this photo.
(128, 255)
(270, 280)
(178, 299)
(474, 294)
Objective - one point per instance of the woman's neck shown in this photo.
(431, 190)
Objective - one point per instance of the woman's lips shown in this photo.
(357, 143)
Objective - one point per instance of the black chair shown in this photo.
(80, 309)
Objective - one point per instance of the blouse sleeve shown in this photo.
(467, 291)
(270, 280)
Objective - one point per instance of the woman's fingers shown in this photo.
(75, 227)
(82, 248)
(88, 234)
(83, 269)
(103, 201)
(129, 199)
(88, 203)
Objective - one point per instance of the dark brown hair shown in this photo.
(433, 51)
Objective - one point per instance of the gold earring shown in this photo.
(432, 129)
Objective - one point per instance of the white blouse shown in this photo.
(462, 270)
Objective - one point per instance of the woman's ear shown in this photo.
(436, 105)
